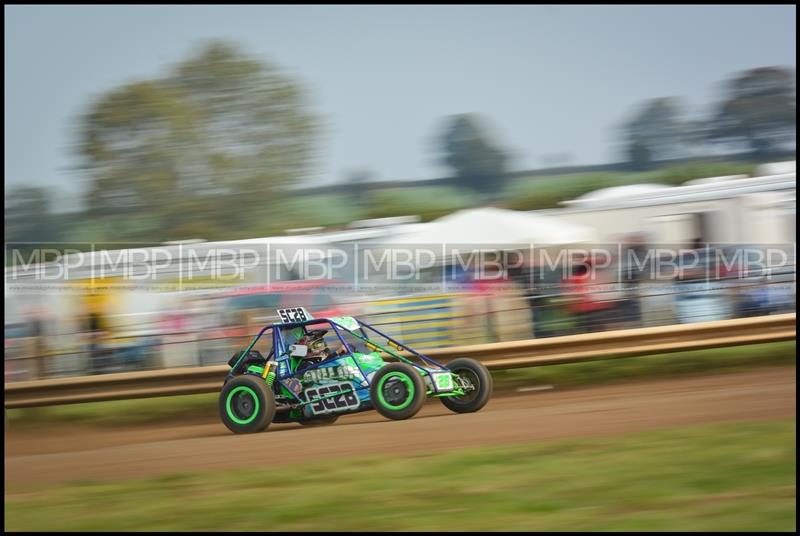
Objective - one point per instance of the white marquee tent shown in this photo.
(498, 228)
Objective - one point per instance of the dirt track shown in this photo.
(52, 456)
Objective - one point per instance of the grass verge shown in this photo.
(716, 360)
(733, 476)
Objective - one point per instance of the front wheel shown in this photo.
(477, 383)
(397, 391)
(246, 405)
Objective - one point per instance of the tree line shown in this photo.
(210, 148)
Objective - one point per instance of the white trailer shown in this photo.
(733, 210)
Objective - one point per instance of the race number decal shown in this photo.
(340, 402)
(294, 314)
(443, 381)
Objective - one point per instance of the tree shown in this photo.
(358, 183)
(758, 108)
(28, 216)
(656, 132)
(134, 139)
(218, 137)
(255, 131)
(639, 156)
(477, 163)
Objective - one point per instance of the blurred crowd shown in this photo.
(499, 304)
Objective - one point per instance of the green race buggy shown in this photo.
(302, 379)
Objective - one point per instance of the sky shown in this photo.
(547, 79)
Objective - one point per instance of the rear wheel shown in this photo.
(397, 391)
(246, 405)
(478, 386)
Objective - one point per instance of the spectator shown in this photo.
(586, 304)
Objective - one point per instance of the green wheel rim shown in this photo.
(229, 408)
(409, 384)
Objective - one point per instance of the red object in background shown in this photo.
(487, 286)
(314, 296)
(174, 322)
(579, 286)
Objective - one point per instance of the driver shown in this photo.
(317, 347)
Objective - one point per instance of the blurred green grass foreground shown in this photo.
(725, 477)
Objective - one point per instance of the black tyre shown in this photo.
(319, 421)
(475, 374)
(246, 405)
(397, 391)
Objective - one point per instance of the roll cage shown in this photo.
(280, 349)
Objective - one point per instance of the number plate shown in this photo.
(341, 402)
(294, 314)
